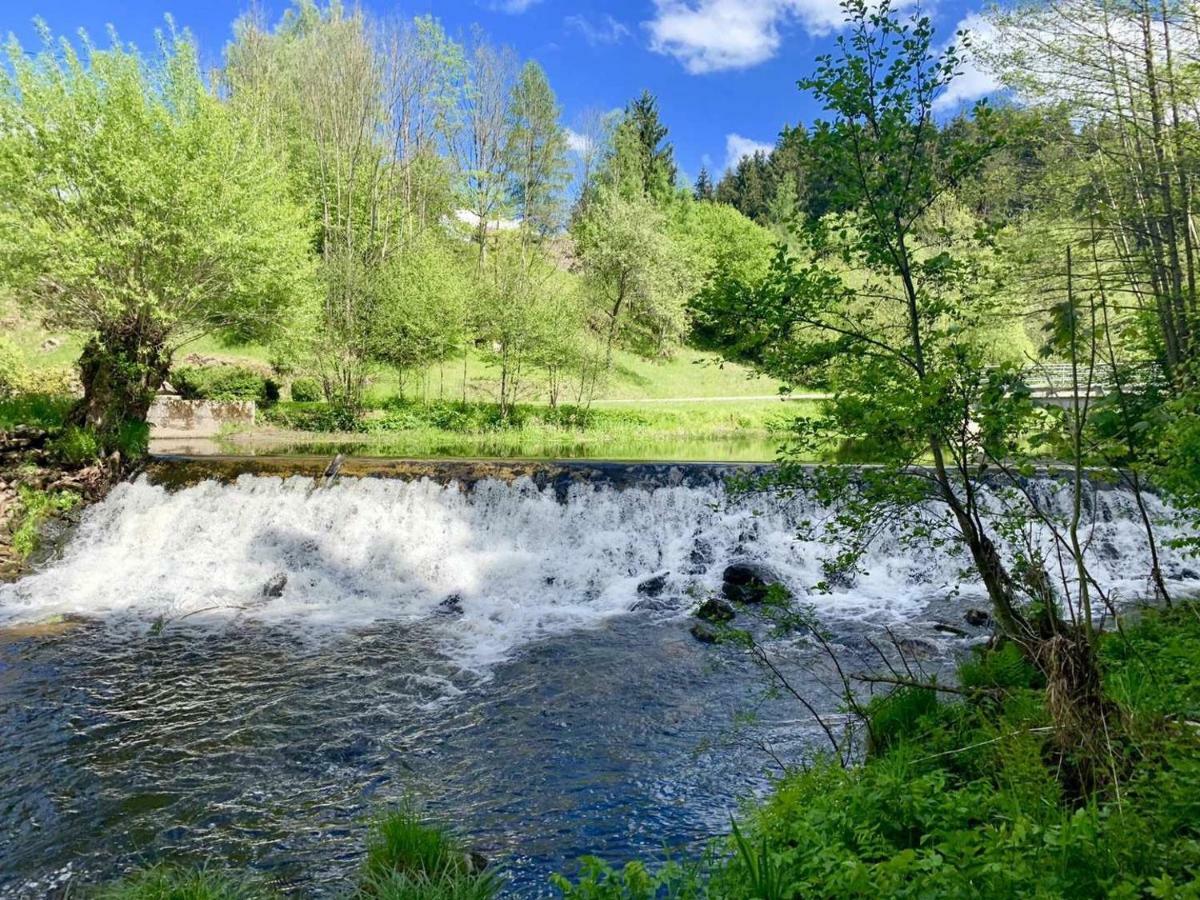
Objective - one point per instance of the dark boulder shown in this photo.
(715, 609)
(653, 586)
(977, 618)
(747, 582)
(275, 585)
(451, 606)
(705, 634)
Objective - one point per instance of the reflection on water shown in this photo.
(753, 448)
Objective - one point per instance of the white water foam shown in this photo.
(521, 564)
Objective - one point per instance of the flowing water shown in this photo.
(484, 651)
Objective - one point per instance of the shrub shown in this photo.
(223, 383)
(51, 380)
(11, 369)
(306, 390)
(322, 417)
(38, 410)
(76, 446)
(36, 507)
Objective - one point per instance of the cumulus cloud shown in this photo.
(576, 142)
(975, 79)
(604, 30)
(737, 147)
(714, 35)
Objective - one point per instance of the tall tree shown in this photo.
(142, 211)
(537, 153)
(639, 277)
(703, 189)
(483, 160)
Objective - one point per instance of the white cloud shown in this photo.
(975, 79)
(712, 35)
(515, 7)
(605, 30)
(737, 146)
(576, 142)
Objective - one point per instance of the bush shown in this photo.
(36, 507)
(76, 446)
(306, 390)
(50, 381)
(38, 410)
(170, 883)
(321, 417)
(224, 383)
(12, 369)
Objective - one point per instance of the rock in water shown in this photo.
(977, 618)
(715, 610)
(704, 633)
(653, 586)
(275, 585)
(747, 582)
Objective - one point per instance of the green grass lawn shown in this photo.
(688, 374)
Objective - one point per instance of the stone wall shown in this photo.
(172, 417)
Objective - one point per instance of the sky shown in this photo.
(724, 71)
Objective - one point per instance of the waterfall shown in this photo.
(485, 570)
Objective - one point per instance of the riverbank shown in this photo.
(965, 791)
(46, 475)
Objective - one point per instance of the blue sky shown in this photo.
(724, 71)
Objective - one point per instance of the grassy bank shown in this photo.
(723, 430)
(962, 795)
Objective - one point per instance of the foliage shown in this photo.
(12, 369)
(36, 506)
(537, 152)
(409, 858)
(639, 276)
(172, 883)
(599, 881)
(39, 410)
(141, 210)
(305, 390)
(223, 383)
(77, 446)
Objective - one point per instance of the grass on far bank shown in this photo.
(733, 430)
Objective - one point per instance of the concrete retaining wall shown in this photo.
(174, 417)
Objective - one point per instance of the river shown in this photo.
(260, 665)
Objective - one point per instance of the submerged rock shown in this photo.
(653, 586)
(747, 582)
(715, 609)
(705, 634)
(916, 648)
(275, 585)
(947, 628)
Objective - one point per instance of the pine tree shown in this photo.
(704, 186)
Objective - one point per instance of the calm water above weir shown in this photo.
(484, 652)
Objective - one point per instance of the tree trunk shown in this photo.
(121, 369)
